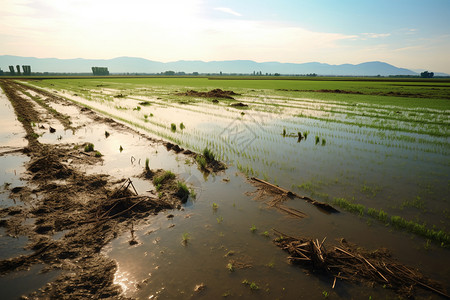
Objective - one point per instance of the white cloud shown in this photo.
(228, 11)
(376, 35)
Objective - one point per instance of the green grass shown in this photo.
(162, 178)
(350, 206)
(208, 154)
(89, 147)
(430, 93)
(440, 237)
(201, 162)
(183, 191)
(147, 165)
(185, 237)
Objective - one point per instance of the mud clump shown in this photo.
(238, 104)
(216, 93)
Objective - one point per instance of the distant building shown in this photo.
(100, 71)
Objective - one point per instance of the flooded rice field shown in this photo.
(385, 167)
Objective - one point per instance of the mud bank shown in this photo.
(86, 210)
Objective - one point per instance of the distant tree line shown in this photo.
(427, 74)
(100, 71)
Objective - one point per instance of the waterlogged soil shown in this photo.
(60, 196)
(88, 227)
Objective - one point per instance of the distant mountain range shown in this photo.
(141, 65)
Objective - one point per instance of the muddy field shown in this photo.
(85, 219)
(61, 197)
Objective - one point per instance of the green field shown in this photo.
(375, 144)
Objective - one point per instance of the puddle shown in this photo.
(12, 246)
(16, 284)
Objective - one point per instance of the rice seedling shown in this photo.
(305, 134)
(120, 148)
(173, 127)
(253, 229)
(219, 220)
(147, 165)
(182, 126)
(265, 233)
(185, 237)
(324, 142)
(209, 155)
(201, 162)
(230, 267)
(349, 206)
(378, 214)
(284, 132)
(162, 178)
(182, 192)
(98, 154)
(215, 206)
(317, 139)
(89, 147)
(106, 134)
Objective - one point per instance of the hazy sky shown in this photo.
(413, 34)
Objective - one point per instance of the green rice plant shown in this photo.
(183, 191)
(254, 286)
(317, 139)
(284, 132)
(151, 115)
(265, 233)
(215, 206)
(209, 155)
(185, 237)
(162, 178)
(173, 127)
(378, 214)
(182, 126)
(324, 142)
(120, 148)
(219, 220)
(193, 193)
(349, 206)
(415, 203)
(253, 228)
(147, 165)
(230, 267)
(89, 147)
(137, 108)
(305, 134)
(98, 154)
(201, 162)
(158, 187)
(106, 134)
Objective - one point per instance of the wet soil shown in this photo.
(61, 197)
(338, 91)
(216, 93)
